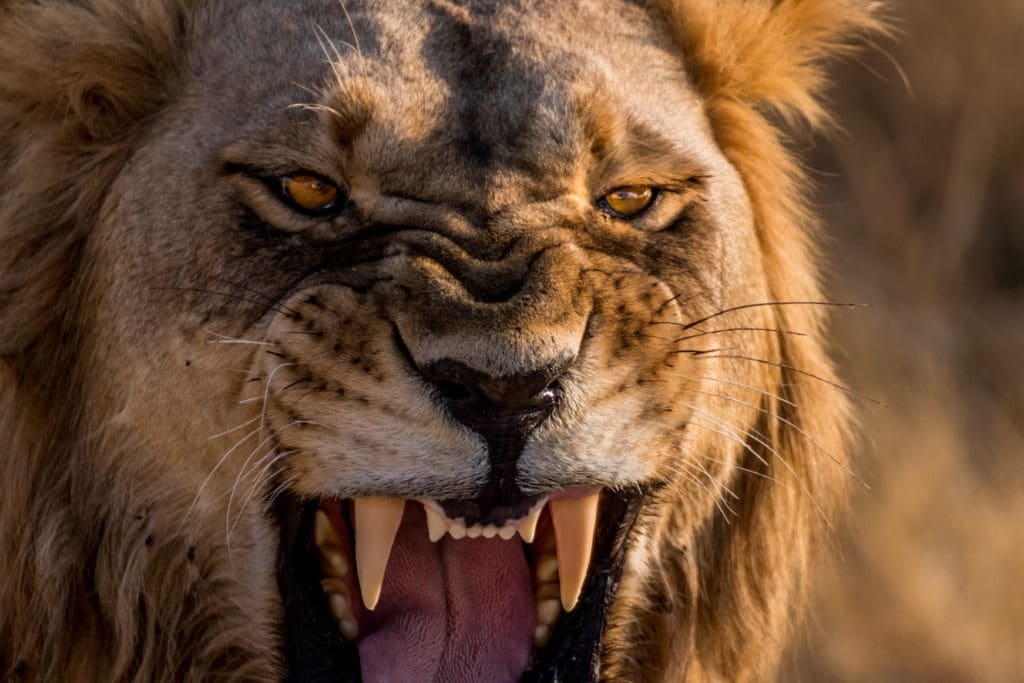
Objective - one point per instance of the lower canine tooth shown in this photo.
(574, 520)
(376, 522)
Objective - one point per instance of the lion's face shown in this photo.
(456, 327)
(467, 323)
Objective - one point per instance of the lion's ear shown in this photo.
(96, 66)
(769, 53)
(77, 82)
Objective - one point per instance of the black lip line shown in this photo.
(315, 651)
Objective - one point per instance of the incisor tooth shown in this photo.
(436, 526)
(457, 530)
(528, 527)
(474, 531)
(490, 531)
(507, 532)
(377, 519)
(574, 520)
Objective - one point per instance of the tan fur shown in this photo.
(123, 558)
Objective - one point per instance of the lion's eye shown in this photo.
(629, 201)
(310, 193)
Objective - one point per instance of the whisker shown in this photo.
(742, 307)
(763, 442)
(281, 488)
(788, 423)
(227, 295)
(728, 329)
(784, 366)
(266, 392)
(723, 505)
(740, 468)
(257, 481)
(769, 394)
(239, 341)
(704, 352)
(223, 458)
(261, 295)
(233, 429)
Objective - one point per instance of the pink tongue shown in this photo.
(455, 611)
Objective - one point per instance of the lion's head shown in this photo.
(436, 340)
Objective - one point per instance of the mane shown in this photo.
(761, 67)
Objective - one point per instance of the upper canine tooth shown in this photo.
(436, 524)
(574, 520)
(377, 519)
(528, 527)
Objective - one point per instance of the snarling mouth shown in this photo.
(388, 589)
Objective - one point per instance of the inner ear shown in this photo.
(98, 113)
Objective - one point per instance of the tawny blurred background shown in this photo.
(923, 193)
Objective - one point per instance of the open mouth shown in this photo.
(389, 589)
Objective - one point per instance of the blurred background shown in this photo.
(923, 193)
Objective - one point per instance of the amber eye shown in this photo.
(629, 201)
(309, 193)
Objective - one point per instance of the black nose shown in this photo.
(477, 399)
(502, 410)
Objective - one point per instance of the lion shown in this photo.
(436, 340)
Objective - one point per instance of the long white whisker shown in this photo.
(233, 429)
(217, 466)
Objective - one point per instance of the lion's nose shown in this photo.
(485, 403)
